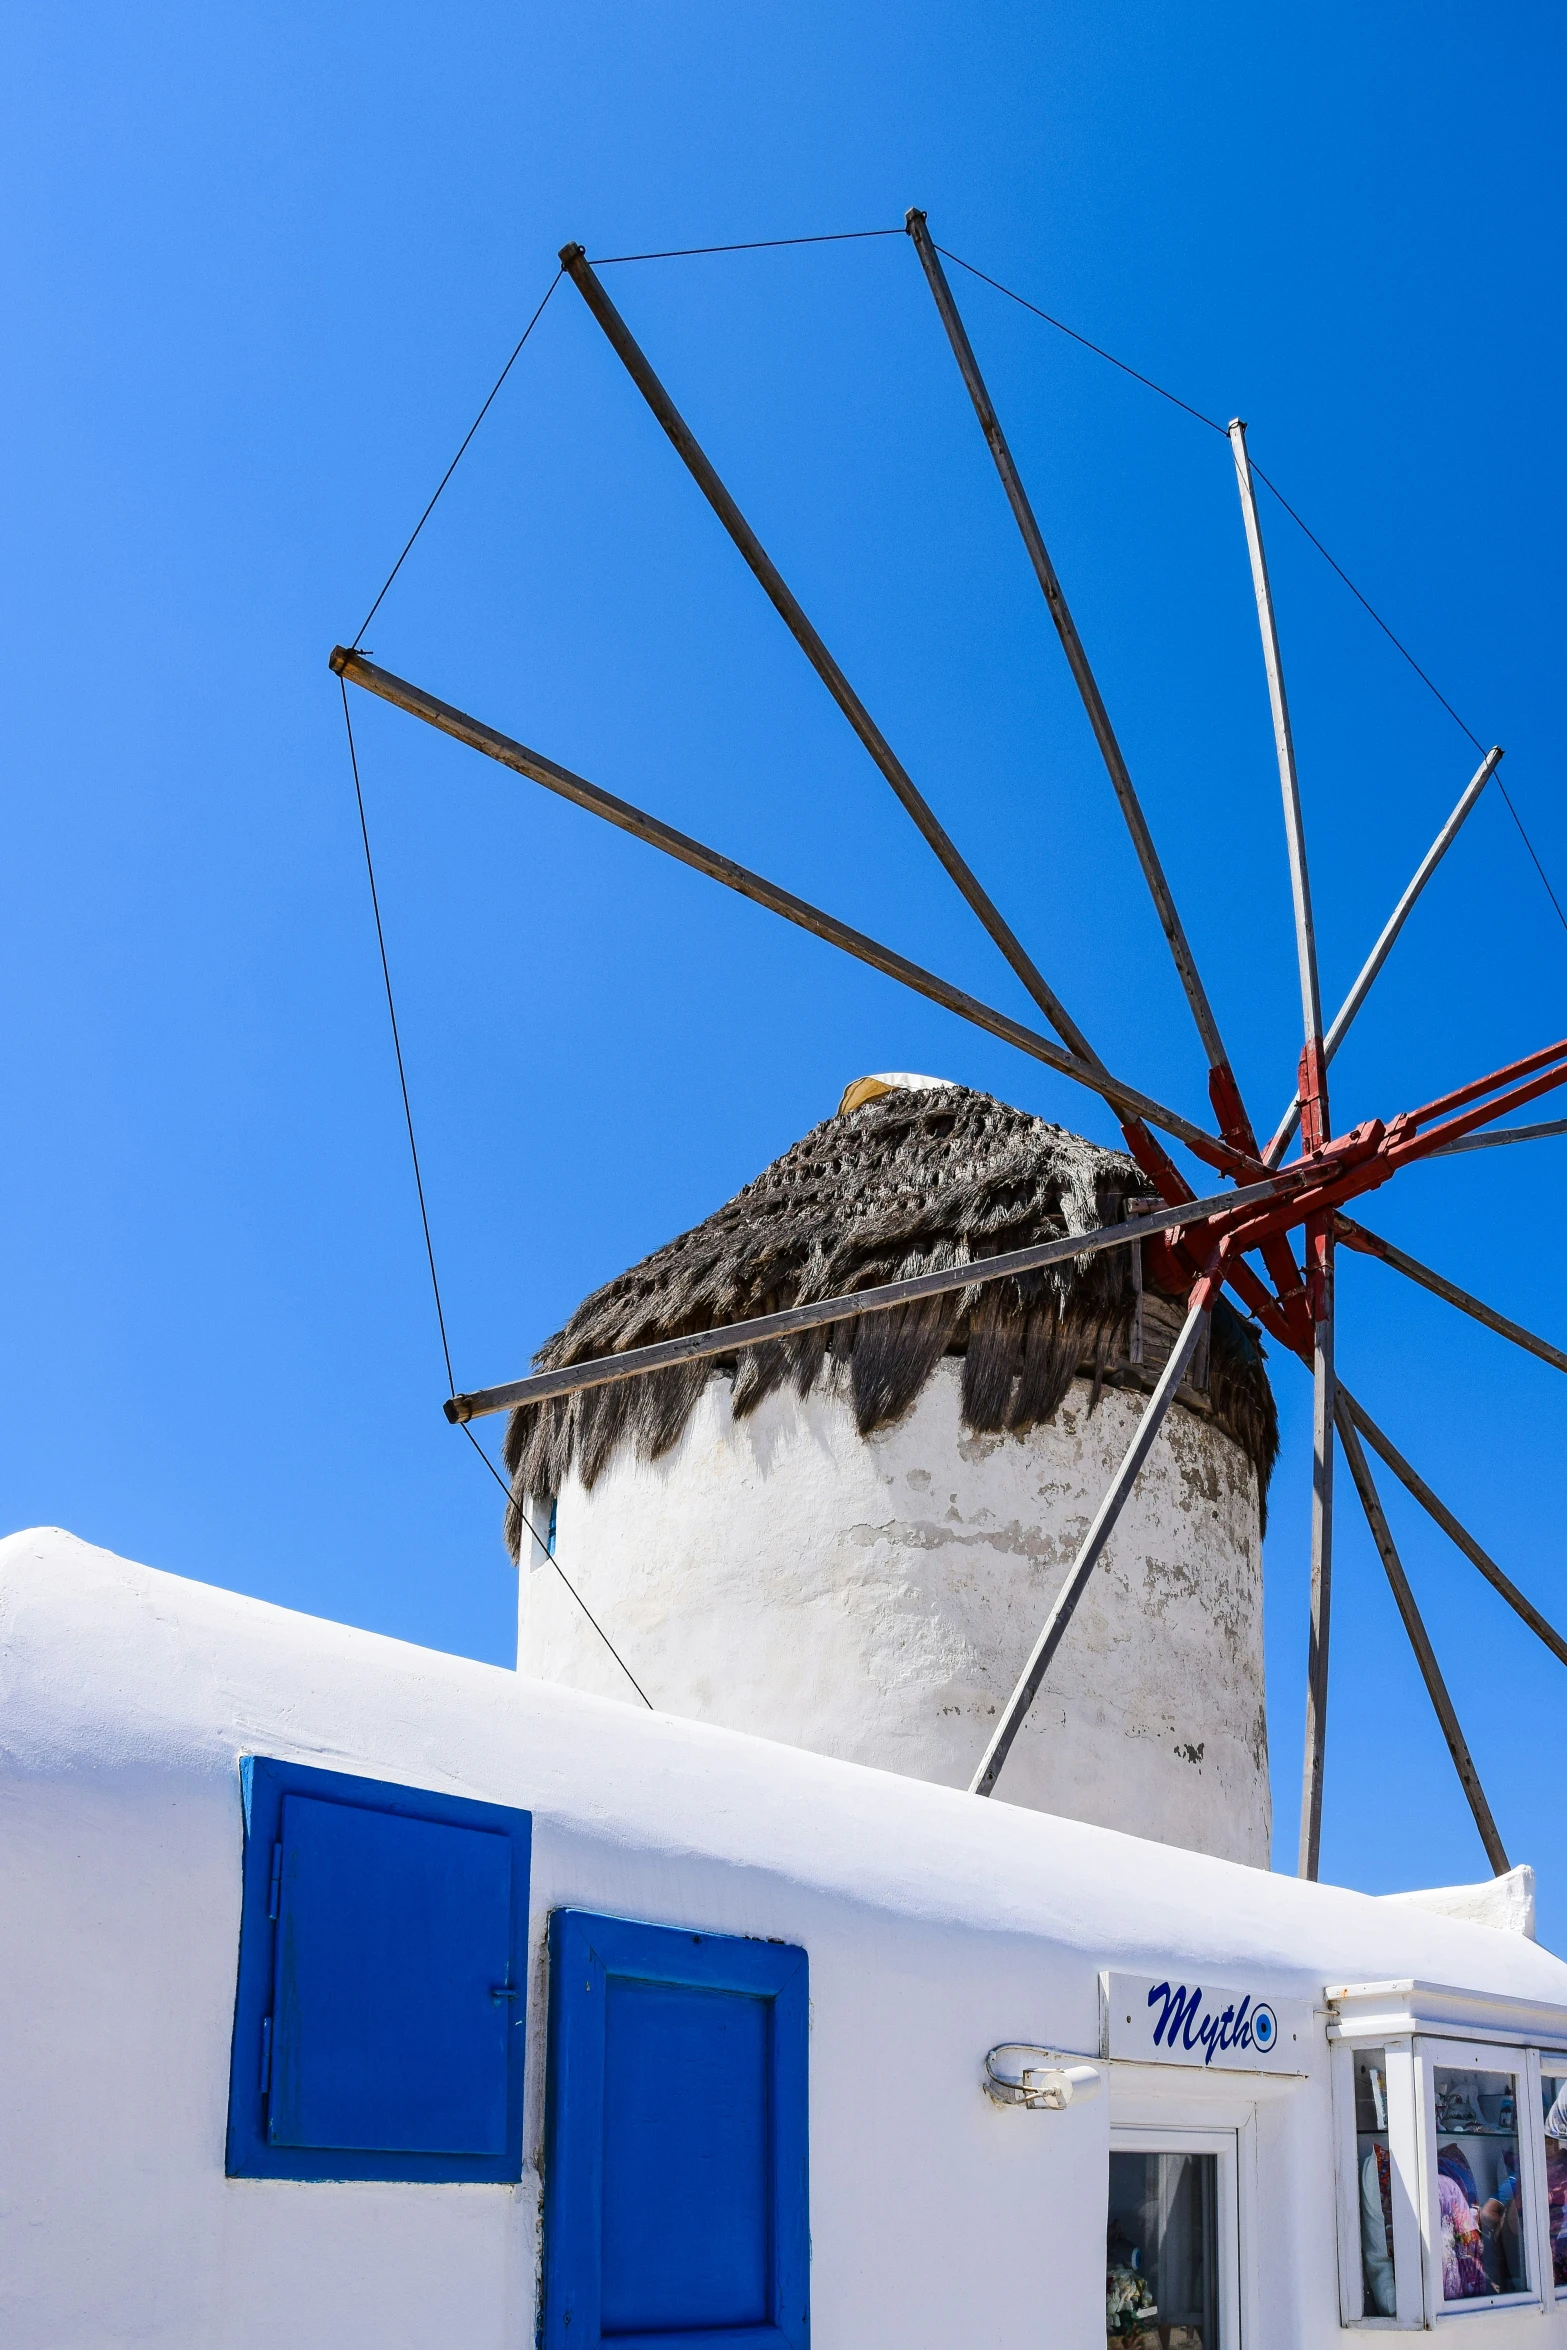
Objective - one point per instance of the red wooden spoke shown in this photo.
(1483, 1085)
(1440, 1137)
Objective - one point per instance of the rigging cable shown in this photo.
(397, 1047)
(456, 461)
(561, 1572)
(424, 1218)
(842, 236)
(1424, 679)
(1098, 349)
(1214, 426)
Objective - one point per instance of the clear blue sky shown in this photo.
(261, 266)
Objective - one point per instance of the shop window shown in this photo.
(383, 1939)
(1374, 2183)
(1383, 2270)
(675, 2173)
(1553, 2108)
(1478, 2216)
(1162, 2283)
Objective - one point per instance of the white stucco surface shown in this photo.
(1506, 1901)
(876, 1599)
(936, 1926)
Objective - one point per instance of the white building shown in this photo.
(514, 1990)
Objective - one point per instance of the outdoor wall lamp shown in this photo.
(1040, 2078)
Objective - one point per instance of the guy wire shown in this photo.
(424, 1218)
(560, 1571)
(842, 236)
(452, 468)
(1214, 426)
(391, 1013)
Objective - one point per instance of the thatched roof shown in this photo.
(901, 1183)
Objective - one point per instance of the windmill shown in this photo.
(1271, 1235)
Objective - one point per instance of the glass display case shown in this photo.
(1162, 2252)
(1451, 2187)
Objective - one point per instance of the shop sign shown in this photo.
(1185, 2018)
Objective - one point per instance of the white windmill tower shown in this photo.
(847, 1539)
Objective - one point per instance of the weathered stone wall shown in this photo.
(876, 1599)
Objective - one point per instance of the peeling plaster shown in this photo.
(875, 1600)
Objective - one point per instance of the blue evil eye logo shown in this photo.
(1264, 2027)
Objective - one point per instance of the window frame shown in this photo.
(587, 1949)
(1409, 2234)
(539, 1512)
(1542, 2061)
(1433, 2053)
(1229, 2230)
(264, 1782)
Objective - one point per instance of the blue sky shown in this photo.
(260, 270)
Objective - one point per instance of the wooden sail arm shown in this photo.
(1372, 1244)
(579, 269)
(1357, 995)
(1225, 1093)
(734, 1337)
(1420, 1642)
(1091, 1549)
(1457, 1533)
(651, 829)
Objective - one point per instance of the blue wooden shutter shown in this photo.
(687, 2190)
(676, 2208)
(380, 2010)
(392, 1937)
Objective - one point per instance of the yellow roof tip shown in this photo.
(870, 1089)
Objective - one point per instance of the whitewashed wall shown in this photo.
(876, 1600)
(936, 1925)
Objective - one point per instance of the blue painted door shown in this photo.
(686, 2172)
(676, 2194)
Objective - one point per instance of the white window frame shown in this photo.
(1544, 2060)
(1232, 2222)
(538, 1510)
(1409, 2253)
(1478, 2056)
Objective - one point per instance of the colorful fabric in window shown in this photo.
(1452, 2163)
(1463, 2268)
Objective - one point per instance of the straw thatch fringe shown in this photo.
(904, 1184)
